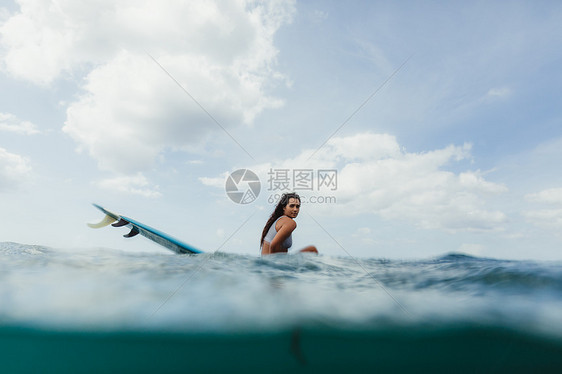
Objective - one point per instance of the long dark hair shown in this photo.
(278, 212)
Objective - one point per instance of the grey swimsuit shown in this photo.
(287, 243)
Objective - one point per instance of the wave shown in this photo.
(219, 292)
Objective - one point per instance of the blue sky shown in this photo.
(459, 150)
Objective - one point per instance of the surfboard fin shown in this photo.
(121, 222)
(134, 231)
(148, 232)
(107, 220)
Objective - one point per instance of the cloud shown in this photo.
(415, 187)
(545, 218)
(136, 185)
(499, 93)
(14, 170)
(376, 176)
(551, 217)
(362, 231)
(10, 123)
(548, 196)
(319, 16)
(129, 110)
(217, 182)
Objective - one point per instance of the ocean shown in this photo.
(102, 310)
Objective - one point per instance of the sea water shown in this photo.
(105, 310)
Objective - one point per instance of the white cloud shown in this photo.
(10, 123)
(375, 176)
(319, 16)
(546, 218)
(217, 182)
(363, 231)
(363, 146)
(548, 196)
(136, 185)
(498, 93)
(14, 170)
(551, 217)
(416, 187)
(130, 110)
(195, 162)
(364, 234)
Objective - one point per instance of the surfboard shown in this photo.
(136, 227)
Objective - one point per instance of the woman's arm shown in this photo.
(285, 227)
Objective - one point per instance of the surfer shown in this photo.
(277, 233)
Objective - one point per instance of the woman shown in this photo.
(277, 233)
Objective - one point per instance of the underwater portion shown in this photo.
(104, 310)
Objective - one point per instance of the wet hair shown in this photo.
(278, 212)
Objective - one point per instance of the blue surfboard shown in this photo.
(148, 232)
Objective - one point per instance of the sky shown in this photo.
(410, 129)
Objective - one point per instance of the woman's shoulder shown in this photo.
(286, 221)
